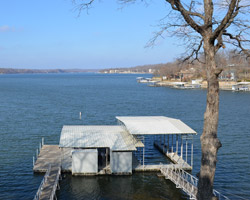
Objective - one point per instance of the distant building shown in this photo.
(187, 74)
(228, 75)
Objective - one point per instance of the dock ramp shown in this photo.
(185, 181)
(49, 184)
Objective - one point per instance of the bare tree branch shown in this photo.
(239, 41)
(231, 14)
(195, 53)
(176, 5)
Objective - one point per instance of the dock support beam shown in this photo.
(143, 151)
(172, 144)
(168, 144)
(186, 151)
(181, 147)
(164, 143)
(143, 156)
(106, 157)
(176, 144)
(192, 150)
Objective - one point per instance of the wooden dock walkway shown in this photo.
(49, 155)
(52, 154)
(49, 184)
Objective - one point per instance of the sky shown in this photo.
(49, 34)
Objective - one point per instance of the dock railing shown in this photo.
(38, 151)
(187, 182)
(38, 193)
(58, 175)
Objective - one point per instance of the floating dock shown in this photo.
(117, 150)
(49, 155)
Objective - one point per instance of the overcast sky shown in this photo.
(48, 34)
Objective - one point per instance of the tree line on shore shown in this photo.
(230, 62)
(234, 66)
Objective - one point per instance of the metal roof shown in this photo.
(113, 137)
(150, 125)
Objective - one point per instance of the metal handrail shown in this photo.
(187, 182)
(35, 157)
(219, 195)
(38, 193)
(56, 182)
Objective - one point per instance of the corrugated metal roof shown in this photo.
(149, 125)
(113, 137)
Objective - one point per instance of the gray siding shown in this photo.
(121, 162)
(85, 161)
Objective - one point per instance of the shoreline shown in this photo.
(198, 84)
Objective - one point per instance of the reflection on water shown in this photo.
(138, 186)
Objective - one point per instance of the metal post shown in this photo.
(143, 151)
(140, 155)
(80, 115)
(61, 149)
(36, 153)
(186, 151)
(40, 146)
(176, 144)
(192, 150)
(181, 147)
(42, 141)
(143, 156)
(106, 157)
(33, 161)
(168, 144)
(172, 143)
(164, 143)
(63, 159)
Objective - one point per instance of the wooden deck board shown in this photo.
(49, 154)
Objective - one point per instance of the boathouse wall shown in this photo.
(85, 161)
(121, 162)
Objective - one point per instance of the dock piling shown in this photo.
(186, 150)
(181, 147)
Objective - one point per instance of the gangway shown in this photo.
(185, 181)
(49, 184)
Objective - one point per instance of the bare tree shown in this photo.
(205, 26)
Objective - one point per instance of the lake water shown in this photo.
(38, 105)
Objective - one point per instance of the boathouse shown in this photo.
(120, 149)
(171, 136)
(97, 149)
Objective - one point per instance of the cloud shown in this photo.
(6, 28)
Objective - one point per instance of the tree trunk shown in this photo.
(209, 141)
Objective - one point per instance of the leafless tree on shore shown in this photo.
(205, 26)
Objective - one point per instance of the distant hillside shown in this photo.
(137, 69)
(43, 71)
